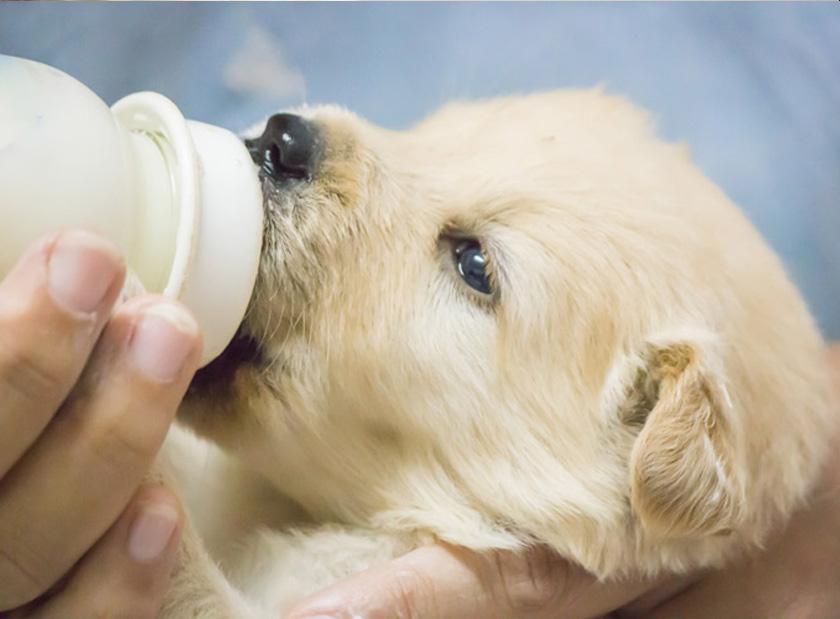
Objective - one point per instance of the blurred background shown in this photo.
(753, 88)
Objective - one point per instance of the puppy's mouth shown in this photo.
(219, 375)
(286, 154)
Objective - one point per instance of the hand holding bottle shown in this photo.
(87, 394)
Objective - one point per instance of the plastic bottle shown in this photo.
(180, 198)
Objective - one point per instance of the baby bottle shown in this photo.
(180, 198)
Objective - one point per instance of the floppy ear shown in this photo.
(683, 481)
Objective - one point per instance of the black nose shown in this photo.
(290, 147)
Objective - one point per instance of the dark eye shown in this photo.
(472, 264)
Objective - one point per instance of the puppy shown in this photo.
(524, 320)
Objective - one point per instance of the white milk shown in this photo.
(180, 199)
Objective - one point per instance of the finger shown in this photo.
(53, 306)
(126, 574)
(443, 582)
(78, 477)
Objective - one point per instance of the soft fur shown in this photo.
(644, 392)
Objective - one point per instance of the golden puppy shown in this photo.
(524, 320)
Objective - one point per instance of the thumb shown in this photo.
(446, 582)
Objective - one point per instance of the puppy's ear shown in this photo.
(683, 481)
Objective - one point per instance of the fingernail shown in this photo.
(80, 270)
(151, 531)
(162, 341)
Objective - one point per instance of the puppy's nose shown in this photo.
(290, 147)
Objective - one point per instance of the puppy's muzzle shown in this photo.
(289, 148)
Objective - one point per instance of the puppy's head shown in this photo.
(524, 319)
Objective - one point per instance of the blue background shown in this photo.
(753, 88)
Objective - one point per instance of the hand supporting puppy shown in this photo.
(796, 576)
(87, 394)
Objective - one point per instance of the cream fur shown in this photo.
(645, 393)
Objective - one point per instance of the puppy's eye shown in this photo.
(471, 263)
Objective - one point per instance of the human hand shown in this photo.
(795, 576)
(446, 582)
(86, 398)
